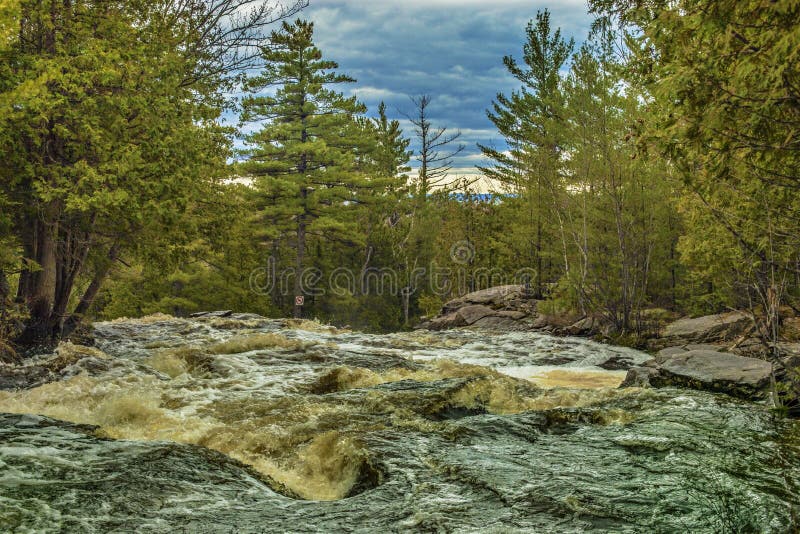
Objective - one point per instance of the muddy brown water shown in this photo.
(252, 425)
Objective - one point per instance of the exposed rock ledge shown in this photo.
(715, 353)
(500, 308)
(508, 308)
(704, 369)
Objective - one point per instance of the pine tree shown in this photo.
(391, 155)
(107, 134)
(530, 122)
(308, 161)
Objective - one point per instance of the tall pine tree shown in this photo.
(308, 161)
(530, 120)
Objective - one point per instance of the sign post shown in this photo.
(297, 312)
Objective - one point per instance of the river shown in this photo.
(246, 424)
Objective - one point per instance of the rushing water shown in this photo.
(252, 425)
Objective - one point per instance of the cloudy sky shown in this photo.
(449, 49)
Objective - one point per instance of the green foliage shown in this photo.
(108, 137)
(430, 305)
(721, 77)
(664, 175)
(324, 177)
(531, 121)
(9, 16)
(594, 213)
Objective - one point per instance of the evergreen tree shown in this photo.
(308, 160)
(391, 155)
(531, 122)
(107, 133)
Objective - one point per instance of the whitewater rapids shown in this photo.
(248, 424)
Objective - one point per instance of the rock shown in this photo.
(247, 317)
(451, 320)
(587, 325)
(497, 322)
(608, 330)
(221, 313)
(705, 346)
(751, 348)
(722, 372)
(497, 308)
(712, 329)
(639, 377)
(472, 313)
(664, 354)
(789, 351)
(18, 377)
(790, 377)
(617, 363)
(495, 297)
(511, 314)
(791, 328)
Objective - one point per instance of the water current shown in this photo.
(245, 424)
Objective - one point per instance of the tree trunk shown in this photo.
(41, 288)
(5, 291)
(71, 323)
(297, 311)
(406, 293)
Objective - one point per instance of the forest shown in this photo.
(243, 291)
(652, 168)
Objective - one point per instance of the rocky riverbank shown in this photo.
(719, 353)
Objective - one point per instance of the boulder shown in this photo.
(722, 372)
(587, 325)
(705, 346)
(444, 322)
(664, 354)
(750, 347)
(790, 329)
(498, 308)
(511, 314)
(789, 376)
(494, 297)
(473, 313)
(639, 377)
(498, 322)
(710, 329)
(618, 362)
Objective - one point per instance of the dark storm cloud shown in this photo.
(451, 50)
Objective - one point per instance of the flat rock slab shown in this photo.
(473, 313)
(451, 320)
(495, 297)
(715, 371)
(708, 328)
(511, 314)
